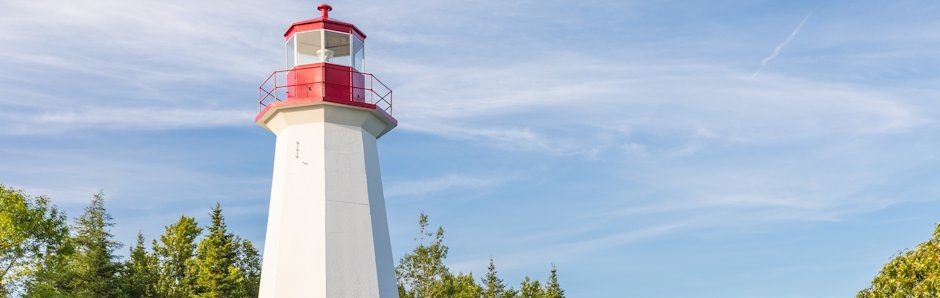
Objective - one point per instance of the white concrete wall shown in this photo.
(327, 232)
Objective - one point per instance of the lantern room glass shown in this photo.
(337, 45)
(358, 53)
(325, 46)
(309, 47)
(290, 53)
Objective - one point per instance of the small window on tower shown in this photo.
(308, 47)
(337, 48)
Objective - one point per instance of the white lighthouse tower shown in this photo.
(327, 232)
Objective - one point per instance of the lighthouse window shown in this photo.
(337, 45)
(358, 53)
(308, 47)
(289, 49)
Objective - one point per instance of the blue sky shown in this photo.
(648, 149)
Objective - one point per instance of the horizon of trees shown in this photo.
(42, 254)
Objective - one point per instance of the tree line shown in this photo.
(422, 273)
(43, 255)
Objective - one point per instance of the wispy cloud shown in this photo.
(451, 182)
(780, 46)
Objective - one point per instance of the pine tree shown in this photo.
(216, 256)
(552, 288)
(422, 271)
(494, 287)
(174, 254)
(94, 267)
(140, 272)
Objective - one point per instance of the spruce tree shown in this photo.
(494, 287)
(552, 288)
(140, 272)
(174, 254)
(216, 256)
(94, 267)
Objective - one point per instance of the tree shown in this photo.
(141, 273)
(249, 263)
(531, 289)
(422, 271)
(33, 234)
(174, 255)
(914, 273)
(216, 256)
(461, 286)
(552, 288)
(493, 285)
(94, 267)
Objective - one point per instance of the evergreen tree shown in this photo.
(174, 254)
(552, 288)
(494, 287)
(33, 242)
(140, 272)
(249, 263)
(216, 258)
(422, 271)
(94, 267)
(531, 289)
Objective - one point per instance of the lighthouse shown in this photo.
(327, 233)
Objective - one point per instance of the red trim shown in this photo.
(320, 23)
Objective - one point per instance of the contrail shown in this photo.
(782, 45)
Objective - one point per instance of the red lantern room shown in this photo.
(325, 63)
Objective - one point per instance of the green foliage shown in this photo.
(493, 285)
(93, 268)
(461, 286)
(141, 273)
(216, 257)
(421, 273)
(33, 240)
(552, 288)
(174, 254)
(39, 258)
(531, 289)
(914, 273)
(249, 262)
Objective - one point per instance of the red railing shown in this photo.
(277, 88)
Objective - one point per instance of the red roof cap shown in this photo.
(324, 22)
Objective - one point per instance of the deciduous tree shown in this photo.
(914, 273)
(174, 254)
(422, 270)
(33, 240)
